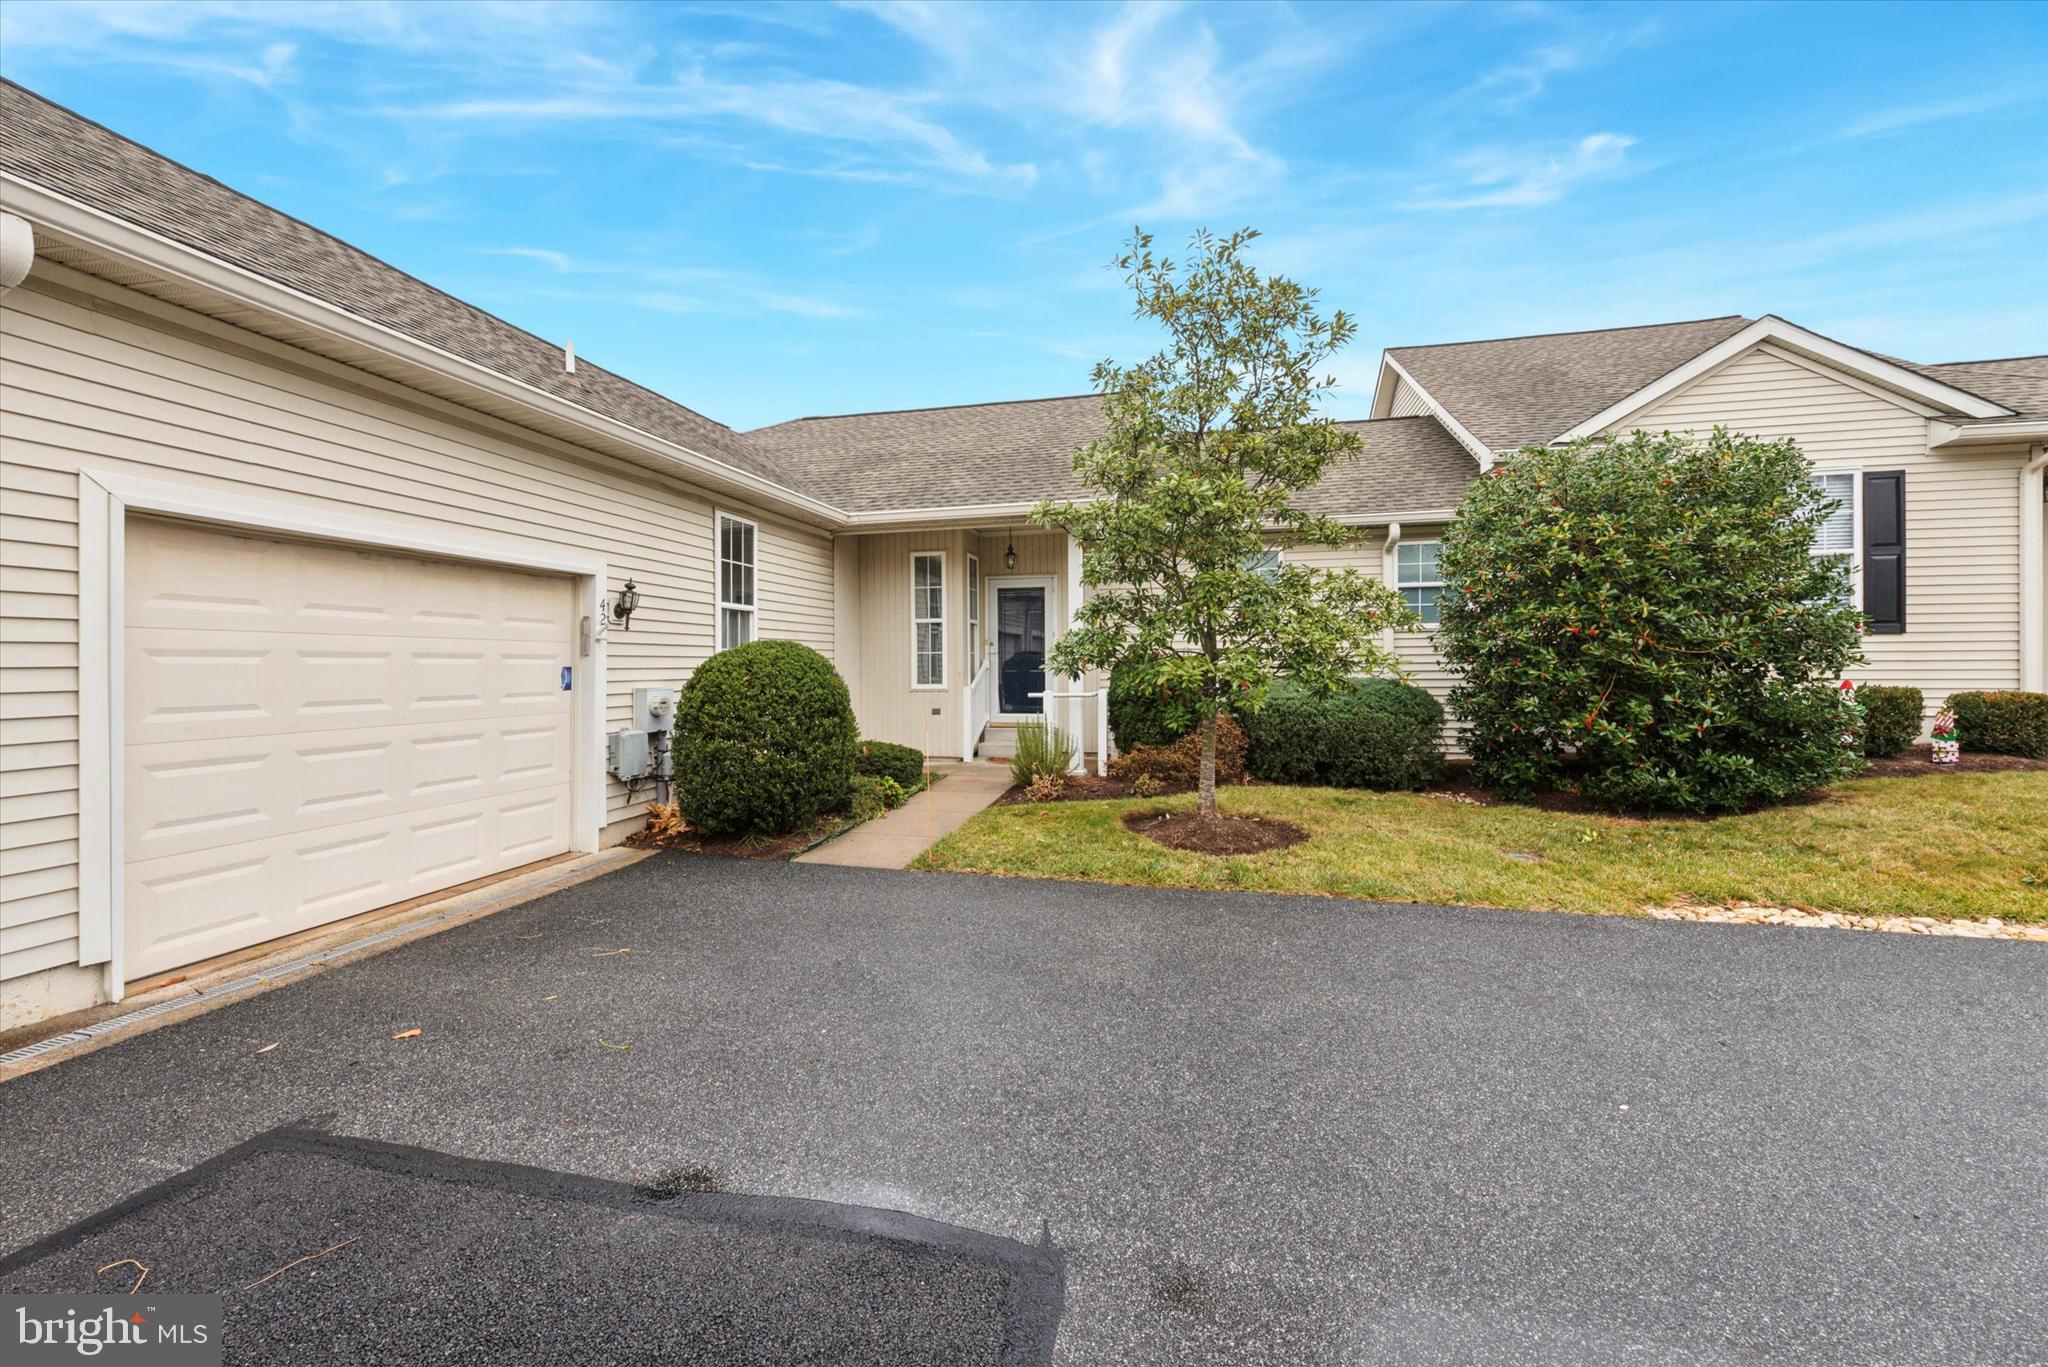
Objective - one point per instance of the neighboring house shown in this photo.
(307, 565)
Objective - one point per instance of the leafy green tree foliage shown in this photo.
(1210, 441)
(764, 739)
(1644, 618)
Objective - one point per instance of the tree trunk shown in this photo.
(1207, 799)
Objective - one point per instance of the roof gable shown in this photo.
(1868, 367)
(1515, 391)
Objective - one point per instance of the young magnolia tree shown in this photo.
(1210, 442)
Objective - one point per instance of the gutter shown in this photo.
(1945, 435)
(103, 232)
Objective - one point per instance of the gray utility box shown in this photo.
(654, 709)
(629, 755)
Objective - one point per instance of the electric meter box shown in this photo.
(654, 709)
(628, 755)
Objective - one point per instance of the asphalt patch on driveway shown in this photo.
(329, 1249)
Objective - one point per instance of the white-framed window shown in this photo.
(1265, 564)
(736, 605)
(928, 619)
(973, 614)
(1420, 581)
(1836, 538)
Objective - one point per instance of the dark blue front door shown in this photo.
(1020, 649)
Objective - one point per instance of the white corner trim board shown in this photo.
(2033, 591)
(105, 500)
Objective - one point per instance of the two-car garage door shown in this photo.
(314, 731)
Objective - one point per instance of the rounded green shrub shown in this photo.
(764, 740)
(1891, 719)
(1141, 712)
(2006, 722)
(1371, 733)
(865, 798)
(904, 763)
(1644, 619)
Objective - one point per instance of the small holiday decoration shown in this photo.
(1947, 749)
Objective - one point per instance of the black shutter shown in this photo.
(1884, 552)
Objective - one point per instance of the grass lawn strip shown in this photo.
(1968, 845)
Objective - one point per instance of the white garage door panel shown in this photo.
(187, 795)
(314, 732)
(185, 684)
(211, 901)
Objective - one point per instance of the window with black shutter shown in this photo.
(1884, 552)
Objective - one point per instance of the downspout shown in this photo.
(2033, 593)
(1387, 575)
(17, 251)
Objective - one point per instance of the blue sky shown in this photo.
(766, 211)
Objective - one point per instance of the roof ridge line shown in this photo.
(924, 408)
(1990, 360)
(1576, 332)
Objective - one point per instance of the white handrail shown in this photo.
(974, 716)
(1079, 764)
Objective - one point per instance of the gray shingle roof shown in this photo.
(2018, 382)
(1515, 391)
(49, 145)
(1000, 453)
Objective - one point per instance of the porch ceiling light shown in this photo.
(1010, 556)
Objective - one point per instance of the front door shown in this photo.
(1020, 649)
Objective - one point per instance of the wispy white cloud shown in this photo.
(1497, 178)
(1898, 118)
(1574, 43)
(673, 289)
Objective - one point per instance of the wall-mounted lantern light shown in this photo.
(624, 606)
(1010, 556)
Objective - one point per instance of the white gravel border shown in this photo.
(1745, 914)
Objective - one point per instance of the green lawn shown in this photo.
(1953, 845)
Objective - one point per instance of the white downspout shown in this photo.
(1387, 575)
(17, 250)
(1076, 710)
(2033, 594)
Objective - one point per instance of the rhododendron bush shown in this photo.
(1643, 620)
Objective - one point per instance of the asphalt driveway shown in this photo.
(1256, 1128)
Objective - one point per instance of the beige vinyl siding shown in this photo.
(97, 375)
(1406, 402)
(1962, 517)
(879, 640)
(1415, 649)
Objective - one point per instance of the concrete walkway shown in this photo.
(892, 841)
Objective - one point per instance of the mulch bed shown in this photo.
(747, 846)
(1217, 835)
(1915, 764)
(1078, 788)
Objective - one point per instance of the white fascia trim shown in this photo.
(1771, 328)
(1479, 449)
(1396, 519)
(1943, 434)
(964, 513)
(106, 233)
